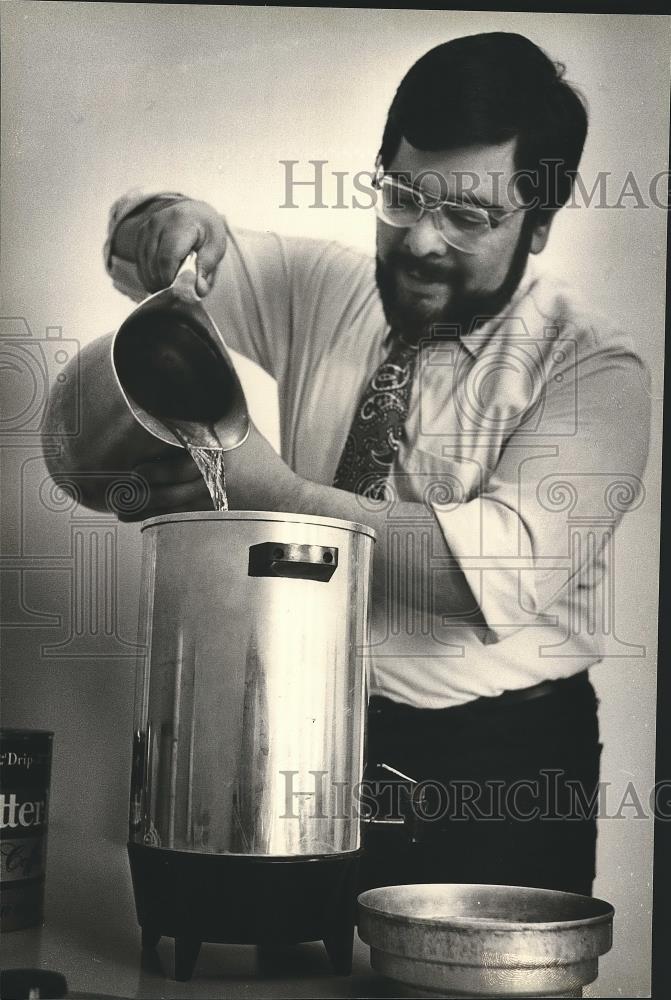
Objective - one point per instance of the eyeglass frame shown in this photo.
(493, 221)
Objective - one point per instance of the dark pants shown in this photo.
(509, 793)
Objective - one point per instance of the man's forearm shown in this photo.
(409, 522)
(258, 479)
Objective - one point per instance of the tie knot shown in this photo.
(398, 345)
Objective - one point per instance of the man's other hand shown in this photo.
(173, 483)
(169, 234)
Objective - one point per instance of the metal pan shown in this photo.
(485, 940)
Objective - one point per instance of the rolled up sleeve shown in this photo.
(540, 523)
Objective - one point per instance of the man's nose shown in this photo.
(423, 238)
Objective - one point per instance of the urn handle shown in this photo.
(290, 560)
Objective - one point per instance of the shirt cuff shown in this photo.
(493, 550)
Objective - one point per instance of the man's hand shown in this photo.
(256, 479)
(174, 484)
(160, 239)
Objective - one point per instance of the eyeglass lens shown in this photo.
(403, 207)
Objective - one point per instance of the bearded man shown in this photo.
(445, 393)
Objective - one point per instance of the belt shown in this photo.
(563, 685)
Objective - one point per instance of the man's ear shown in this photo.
(541, 233)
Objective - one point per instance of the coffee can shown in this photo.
(25, 774)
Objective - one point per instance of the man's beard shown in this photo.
(465, 310)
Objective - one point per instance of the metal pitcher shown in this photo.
(175, 373)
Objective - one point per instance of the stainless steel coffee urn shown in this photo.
(249, 730)
(250, 701)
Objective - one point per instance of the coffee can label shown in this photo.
(22, 859)
(25, 772)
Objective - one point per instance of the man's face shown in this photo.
(422, 279)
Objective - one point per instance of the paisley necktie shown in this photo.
(378, 425)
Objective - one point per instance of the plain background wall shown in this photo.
(98, 98)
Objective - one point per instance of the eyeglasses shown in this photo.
(463, 227)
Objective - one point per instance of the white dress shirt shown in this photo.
(525, 442)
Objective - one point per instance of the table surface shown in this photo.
(90, 935)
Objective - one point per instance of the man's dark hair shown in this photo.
(488, 89)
